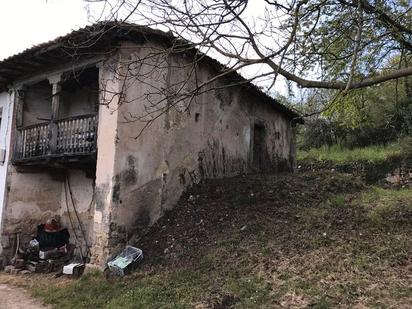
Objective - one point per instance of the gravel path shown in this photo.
(16, 298)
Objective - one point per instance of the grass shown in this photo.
(179, 288)
(388, 207)
(157, 290)
(338, 154)
(343, 249)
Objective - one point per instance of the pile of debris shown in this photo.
(49, 251)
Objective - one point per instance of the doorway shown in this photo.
(259, 146)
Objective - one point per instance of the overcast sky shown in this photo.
(24, 23)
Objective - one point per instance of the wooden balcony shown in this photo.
(67, 140)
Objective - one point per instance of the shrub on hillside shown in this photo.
(317, 133)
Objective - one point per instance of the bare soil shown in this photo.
(219, 207)
(303, 240)
(12, 297)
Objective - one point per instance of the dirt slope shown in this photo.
(248, 204)
(304, 240)
(16, 298)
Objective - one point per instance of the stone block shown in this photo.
(19, 263)
(8, 268)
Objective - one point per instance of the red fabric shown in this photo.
(52, 226)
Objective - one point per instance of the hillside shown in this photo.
(319, 240)
(372, 163)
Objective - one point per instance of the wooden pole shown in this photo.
(56, 89)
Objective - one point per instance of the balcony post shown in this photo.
(16, 136)
(19, 101)
(56, 88)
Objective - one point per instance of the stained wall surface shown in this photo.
(149, 166)
(39, 194)
(6, 107)
(79, 94)
(37, 107)
(143, 166)
(36, 194)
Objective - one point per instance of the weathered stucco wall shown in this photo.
(81, 201)
(39, 194)
(75, 99)
(106, 156)
(214, 137)
(5, 129)
(32, 199)
(137, 179)
(78, 101)
(37, 107)
(79, 95)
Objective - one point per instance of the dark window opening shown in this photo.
(37, 103)
(66, 125)
(259, 146)
(79, 93)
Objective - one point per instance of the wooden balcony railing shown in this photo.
(65, 137)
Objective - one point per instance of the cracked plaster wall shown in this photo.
(138, 179)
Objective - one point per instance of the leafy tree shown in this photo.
(353, 55)
(332, 44)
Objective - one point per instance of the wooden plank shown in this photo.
(19, 101)
(63, 136)
(23, 144)
(83, 139)
(66, 136)
(88, 135)
(94, 132)
(72, 137)
(44, 139)
(56, 89)
(59, 70)
(29, 142)
(77, 135)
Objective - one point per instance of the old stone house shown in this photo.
(100, 136)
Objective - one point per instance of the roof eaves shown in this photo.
(120, 30)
